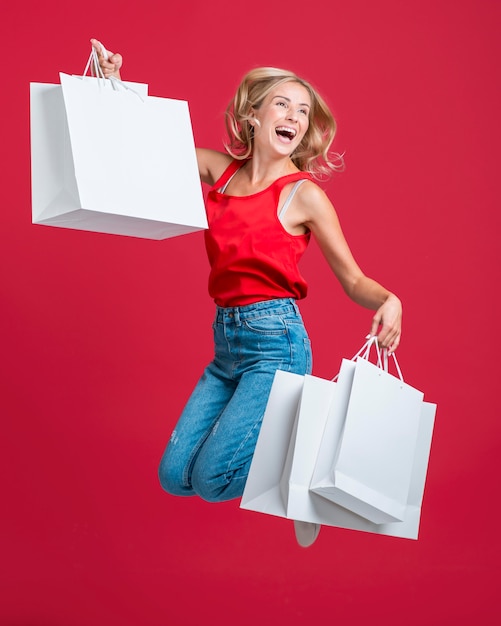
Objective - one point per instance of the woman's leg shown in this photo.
(222, 465)
(259, 339)
(201, 413)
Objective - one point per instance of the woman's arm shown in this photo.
(321, 219)
(211, 164)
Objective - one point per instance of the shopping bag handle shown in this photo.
(97, 72)
(93, 63)
(365, 350)
(397, 366)
(382, 363)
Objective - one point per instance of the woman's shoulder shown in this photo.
(313, 199)
(310, 190)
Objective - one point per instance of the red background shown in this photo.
(103, 336)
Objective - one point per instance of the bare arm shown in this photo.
(211, 164)
(319, 216)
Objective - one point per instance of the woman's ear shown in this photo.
(253, 120)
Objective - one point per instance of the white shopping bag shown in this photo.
(311, 416)
(371, 473)
(408, 528)
(327, 453)
(111, 159)
(281, 430)
(286, 450)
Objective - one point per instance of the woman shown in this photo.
(262, 207)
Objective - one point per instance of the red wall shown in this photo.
(104, 336)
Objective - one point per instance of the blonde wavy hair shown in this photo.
(312, 155)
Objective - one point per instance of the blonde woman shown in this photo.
(263, 206)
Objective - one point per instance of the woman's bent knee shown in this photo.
(171, 481)
(217, 488)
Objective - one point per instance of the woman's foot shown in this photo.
(306, 533)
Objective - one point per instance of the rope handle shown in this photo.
(364, 353)
(397, 366)
(97, 72)
(93, 63)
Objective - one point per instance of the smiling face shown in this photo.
(282, 118)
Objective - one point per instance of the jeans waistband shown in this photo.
(278, 306)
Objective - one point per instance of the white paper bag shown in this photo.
(285, 453)
(264, 490)
(113, 160)
(328, 450)
(371, 473)
(311, 416)
(408, 528)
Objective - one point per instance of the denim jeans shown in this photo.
(211, 447)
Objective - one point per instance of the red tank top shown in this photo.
(252, 256)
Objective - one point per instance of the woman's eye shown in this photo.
(281, 104)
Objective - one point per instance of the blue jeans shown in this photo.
(211, 448)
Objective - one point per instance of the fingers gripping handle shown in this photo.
(96, 70)
(104, 52)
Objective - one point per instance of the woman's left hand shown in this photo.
(389, 318)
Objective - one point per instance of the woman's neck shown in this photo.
(263, 167)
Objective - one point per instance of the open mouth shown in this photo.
(285, 132)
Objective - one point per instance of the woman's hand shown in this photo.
(111, 66)
(389, 318)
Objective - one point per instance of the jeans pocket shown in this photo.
(266, 325)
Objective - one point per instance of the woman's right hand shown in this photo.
(111, 66)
